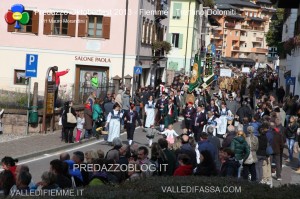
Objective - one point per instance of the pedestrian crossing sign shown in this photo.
(138, 70)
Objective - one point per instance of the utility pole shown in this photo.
(124, 44)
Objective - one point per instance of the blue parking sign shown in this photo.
(31, 65)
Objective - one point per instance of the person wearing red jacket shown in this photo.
(57, 81)
(185, 168)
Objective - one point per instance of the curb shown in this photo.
(51, 150)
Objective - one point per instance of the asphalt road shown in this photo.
(40, 164)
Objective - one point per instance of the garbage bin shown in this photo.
(33, 115)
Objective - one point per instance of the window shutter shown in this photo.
(179, 11)
(169, 38)
(106, 27)
(82, 28)
(72, 25)
(35, 22)
(180, 42)
(11, 27)
(47, 24)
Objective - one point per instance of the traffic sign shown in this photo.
(31, 65)
(290, 80)
(138, 70)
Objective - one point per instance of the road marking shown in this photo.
(68, 150)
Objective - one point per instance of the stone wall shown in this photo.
(15, 121)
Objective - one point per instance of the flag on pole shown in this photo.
(196, 76)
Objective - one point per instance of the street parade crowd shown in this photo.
(235, 127)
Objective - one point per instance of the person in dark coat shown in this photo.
(160, 117)
(229, 136)
(168, 158)
(68, 127)
(88, 120)
(280, 94)
(56, 167)
(189, 111)
(205, 144)
(186, 148)
(198, 122)
(277, 146)
(231, 166)
(212, 107)
(244, 111)
(207, 166)
(261, 152)
(131, 117)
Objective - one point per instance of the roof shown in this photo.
(264, 1)
(268, 10)
(212, 21)
(226, 7)
(241, 3)
(238, 61)
(256, 19)
(235, 16)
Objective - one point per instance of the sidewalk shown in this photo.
(28, 147)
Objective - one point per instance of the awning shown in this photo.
(238, 61)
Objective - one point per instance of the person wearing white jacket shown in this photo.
(170, 133)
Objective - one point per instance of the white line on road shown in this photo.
(68, 150)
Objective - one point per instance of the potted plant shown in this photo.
(159, 47)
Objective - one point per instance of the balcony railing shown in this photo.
(235, 48)
(259, 28)
(259, 50)
(246, 27)
(259, 39)
(229, 25)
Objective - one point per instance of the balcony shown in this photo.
(238, 26)
(259, 28)
(259, 39)
(219, 47)
(161, 9)
(235, 48)
(259, 50)
(217, 36)
(229, 25)
(246, 27)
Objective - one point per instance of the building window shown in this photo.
(60, 24)
(19, 77)
(255, 14)
(251, 14)
(254, 34)
(31, 27)
(95, 26)
(245, 45)
(177, 10)
(246, 13)
(177, 40)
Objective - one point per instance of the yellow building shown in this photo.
(184, 33)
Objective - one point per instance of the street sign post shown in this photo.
(30, 71)
(138, 70)
(31, 65)
(291, 82)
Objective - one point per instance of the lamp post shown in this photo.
(124, 44)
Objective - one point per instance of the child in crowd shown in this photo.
(170, 133)
(80, 122)
(150, 134)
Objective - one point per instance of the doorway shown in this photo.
(84, 74)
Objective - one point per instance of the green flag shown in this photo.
(196, 76)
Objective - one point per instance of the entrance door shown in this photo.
(83, 87)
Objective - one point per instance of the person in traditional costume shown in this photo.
(130, 118)
(170, 112)
(225, 116)
(150, 112)
(114, 122)
(160, 105)
(189, 111)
